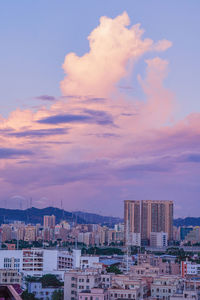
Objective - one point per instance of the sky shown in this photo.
(99, 102)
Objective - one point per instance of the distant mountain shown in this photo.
(91, 218)
(189, 221)
(35, 215)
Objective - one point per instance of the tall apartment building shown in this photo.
(148, 216)
(49, 221)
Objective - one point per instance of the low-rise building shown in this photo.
(94, 293)
(163, 287)
(40, 292)
(76, 281)
(10, 277)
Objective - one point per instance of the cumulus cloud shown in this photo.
(112, 45)
(98, 142)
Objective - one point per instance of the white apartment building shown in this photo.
(35, 262)
(135, 239)
(158, 239)
(189, 268)
(85, 261)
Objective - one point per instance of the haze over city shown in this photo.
(99, 103)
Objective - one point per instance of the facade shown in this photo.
(127, 287)
(148, 216)
(35, 262)
(49, 221)
(43, 293)
(95, 293)
(30, 233)
(77, 281)
(158, 239)
(189, 269)
(10, 277)
(164, 287)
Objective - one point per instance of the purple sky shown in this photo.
(96, 108)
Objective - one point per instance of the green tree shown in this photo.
(58, 295)
(113, 269)
(50, 280)
(28, 296)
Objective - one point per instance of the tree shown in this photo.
(113, 269)
(28, 296)
(58, 295)
(50, 280)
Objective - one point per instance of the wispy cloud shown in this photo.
(6, 153)
(46, 98)
(90, 116)
(39, 132)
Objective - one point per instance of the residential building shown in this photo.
(148, 216)
(9, 276)
(163, 287)
(158, 239)
(127, 287)
(76, 281)
(189, 269)
(94, 293)
(36, 262)
(30, 233)
(40, 292)
(49, 221)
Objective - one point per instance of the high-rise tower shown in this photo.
(148, 216)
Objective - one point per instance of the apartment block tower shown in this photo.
(49, 221)
(146, 216)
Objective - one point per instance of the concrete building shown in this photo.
(43, 293)
(77, 281)
(94, 293)
(10, 276)
(127, 287)
(49, 221)
(30, 233)
(158, 239)
(36, 262)
(163, 287)
(135, 239)
(189, 269)
(148, 216)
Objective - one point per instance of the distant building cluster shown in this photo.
(87, 234)
(144, 258)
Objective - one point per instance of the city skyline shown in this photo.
(103, 110)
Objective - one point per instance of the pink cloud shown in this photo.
(112, 45)
(97, 142)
